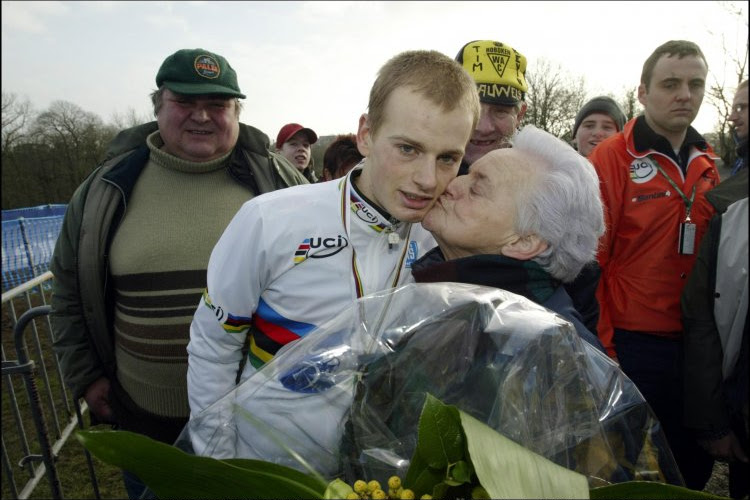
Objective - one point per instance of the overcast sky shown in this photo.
(314, 62)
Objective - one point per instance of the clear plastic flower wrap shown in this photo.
(345, 400)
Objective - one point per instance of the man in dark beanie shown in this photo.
(130, 262)
(598, 119)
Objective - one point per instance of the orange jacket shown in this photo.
(642, 272)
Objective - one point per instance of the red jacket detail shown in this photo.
(642, 272)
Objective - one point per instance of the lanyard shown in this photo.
(359, 287)
(688, 202)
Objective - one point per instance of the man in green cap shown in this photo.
(130, 262)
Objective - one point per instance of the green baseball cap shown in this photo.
(198, 72)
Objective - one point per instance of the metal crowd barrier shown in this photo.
(36, 427)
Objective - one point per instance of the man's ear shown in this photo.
(642, 91)
(524, 248)
(363, 135)
(521, 112)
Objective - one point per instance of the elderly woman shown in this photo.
(525, 219)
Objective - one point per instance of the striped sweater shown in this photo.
(159, 255)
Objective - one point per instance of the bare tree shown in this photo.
(130, 118)
(721, 94)
(16, 115)
(630, 104)
(554, 98)
(62, 145)
(74, 136)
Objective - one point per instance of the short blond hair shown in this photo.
(433, 75)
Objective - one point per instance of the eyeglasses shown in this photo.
(739, 108)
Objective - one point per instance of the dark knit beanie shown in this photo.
(601, 104)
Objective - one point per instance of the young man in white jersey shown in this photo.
(288, 262)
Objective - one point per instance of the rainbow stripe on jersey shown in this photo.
(270, 332)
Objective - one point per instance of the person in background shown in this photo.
(132, 254)
(599, 118)
(293, 259)
(734, 187)
(654, 177)
(500, 75)
(340, 157)
(506, 224)
(295, 142)
(715, 339)
(739, 119)
(714, 304)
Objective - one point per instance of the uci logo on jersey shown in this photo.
(642, 170)
(364, 213)
(317, 247)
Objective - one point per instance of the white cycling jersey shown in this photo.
(288, 261)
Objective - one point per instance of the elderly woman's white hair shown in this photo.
(564, 208)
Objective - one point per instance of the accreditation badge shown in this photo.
(686, 242)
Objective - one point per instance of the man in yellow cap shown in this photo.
(500, 73)
(131, 259)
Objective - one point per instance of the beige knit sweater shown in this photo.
(159, 255)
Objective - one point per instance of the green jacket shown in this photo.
(82, 309)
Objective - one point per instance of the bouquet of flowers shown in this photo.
(447, 387)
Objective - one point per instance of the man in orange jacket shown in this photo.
(654, 175)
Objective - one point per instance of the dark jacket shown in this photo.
(524, 278)
(742, 156)
(582, 290)
(82, 316)
(728, 191)
(714, 399)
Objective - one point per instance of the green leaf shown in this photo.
(479, 492)
(172, 473)
(440, 440)
(646, 489)
(337, 489)
(421, 479)
(439, 491)
(508, 470)
(460, 472)
(425, 481)
(416, 466)
(314, 483)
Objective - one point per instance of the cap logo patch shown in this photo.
(499, 57)
(207, 67)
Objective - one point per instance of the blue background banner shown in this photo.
(29, 236)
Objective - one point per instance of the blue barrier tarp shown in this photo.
(28, 243)
(35, 212)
